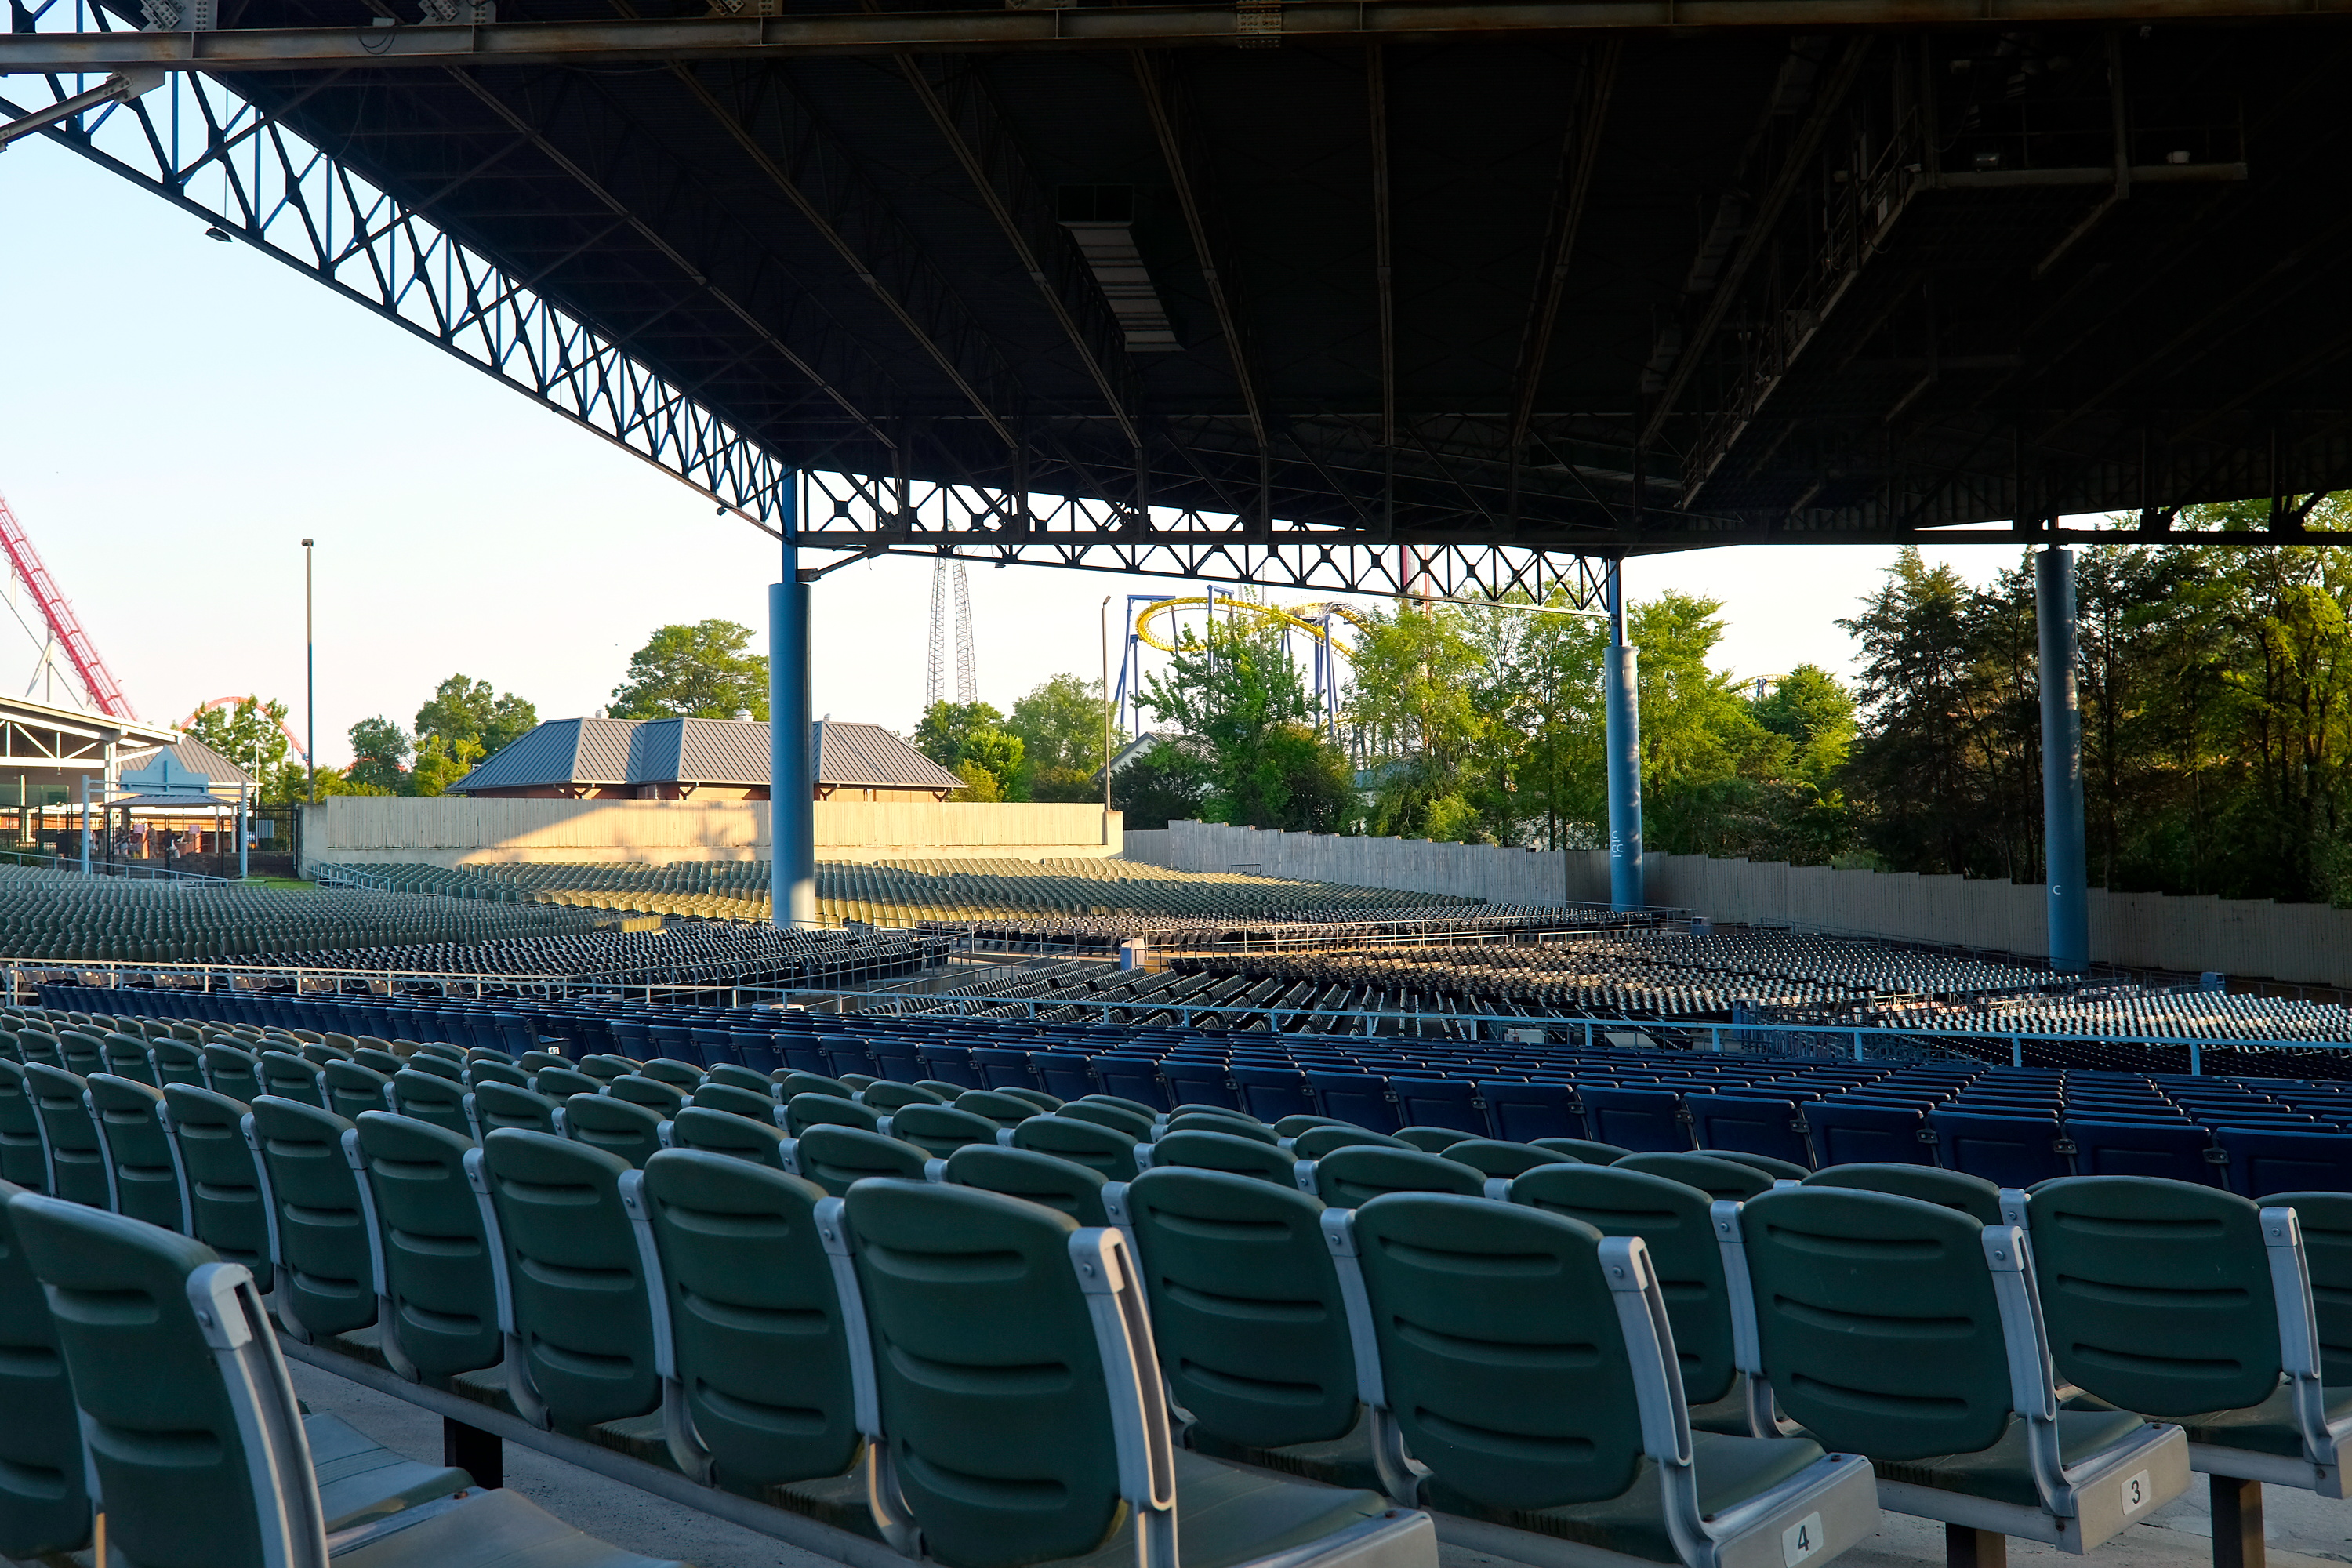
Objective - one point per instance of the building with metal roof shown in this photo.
(696, 759)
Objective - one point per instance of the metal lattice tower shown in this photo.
(948, 602)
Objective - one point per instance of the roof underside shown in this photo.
(1833, 287)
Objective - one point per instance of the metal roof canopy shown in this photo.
(1454, 292)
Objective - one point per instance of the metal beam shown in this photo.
(1056, 29)
(1579, 150)
(1376, 92)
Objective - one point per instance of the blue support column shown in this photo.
(2061, 764)
(792, 760)
(1621, 699)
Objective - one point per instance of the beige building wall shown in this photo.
(447, 831)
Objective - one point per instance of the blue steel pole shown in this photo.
(1621, 699)
(85, 825)
(2061, 764)
(791, 763)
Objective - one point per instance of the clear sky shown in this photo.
(177, 413)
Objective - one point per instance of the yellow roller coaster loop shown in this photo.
(1312, 619)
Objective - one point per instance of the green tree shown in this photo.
(464, 712)
(699, 671)
(1417, 673)
(1168, 781)
(969, 740)
(440, 763)
(380, 753)
(244, 730)
(1815, 714)
(1235, 690)
(1060, 725)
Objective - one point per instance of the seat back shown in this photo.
(285, 1076)
(81, 1052)
(43, 1505)
(654, 1093)
(756, 1355)
(1752, 1124)
(1346, 1178)
(2325, 1221)
(734, 1075)
(737, 1100)
(578, 1316)
(835, 1156)
(1854, 1131)
(724, 1132)
(2157, 1294)
(1971, 1196)
(1246, 1312)
(889, 1098)
(1849, 1287)
(24, 1156)
(562, 1083)
(1087, 1144)
(125, 1055)
(176, 1061)
(139, 1150)
(429, 1096)
(1492, 1157)
(1225, 1152)
(1232, 1123)
(495, 1103)
(1717, 1178)
(1671, 1220)
(327, 1280)
(1004, 1110)
(228, 1210)
(2267, 1160)
(77, 1170)
(1039, 1178)
(353, 1090)
(232, 1071)
(2176, 1151)
(1136, 1125)
(942, 1129)
(1439, 1102)
(1317, 1141)
(621, 1128)
(1500, 1352)
(1651, 1120)
(1587, 1151)
(436, 1293)
(990, 1388)
(802, 1112)
(2007, 1151)
(192, 1426)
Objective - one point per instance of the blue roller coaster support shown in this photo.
(1621, 696)
(792, 761)
(2061, 764)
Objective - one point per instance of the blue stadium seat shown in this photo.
(755, 1048)
(1354, 1096)
(1643, 1120)
(850, 1053)
(1869, 1133)
(2264, 1161)
(1439, 1102)
(1750, 1124)
(1195, 1081)
(1065, 1075)
(947, 1064)
(1271, 1092)
(1522, 1112)
(2176, 1151)
(1135, 1077)
(1003, 1066)
(2007, 1151)
(896, 1059)
(631, 1039)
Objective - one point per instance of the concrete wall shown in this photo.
(450, 832)
(2308, 944)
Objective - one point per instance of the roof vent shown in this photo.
(1101, 218)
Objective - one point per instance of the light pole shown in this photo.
(1106, 708)
(310, 678)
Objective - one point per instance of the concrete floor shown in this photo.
(2304, 1532)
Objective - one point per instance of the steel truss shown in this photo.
(219, 157)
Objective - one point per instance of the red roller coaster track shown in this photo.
(105, 691)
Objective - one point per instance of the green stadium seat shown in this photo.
(232, 1071)
(685, 1075)
(436, 1064)
(652, 1092)
(78, 1167)
(1085, 1195)
(1971, 1196)
(890, 1098)
(621, 1128)
(574, 1308)
(835, 1156)
(125, 1055)
(1589, 1151)
(354, 1089)
(1218, 1118)
(1433, 1140)
(751, 1348)
(2181, 1303)
(287, 1076)
(501, 1104)
(753, 1103)
(988, 1471)
(83, 1052)
(1201, 1151)
(24, 1153)
(1036, 1096)
(436, 1298)
(1349, 1177)
(802, 1112)
(229, 1209)
(1778, 1170)
(1004, 1110)
(318, 1231)
(563, 1083)
(44, 1508)
(1087, 1143)
(132, 1130)
(429, 1096)
(1317, 1141)
(2326, 1220)
(1848, 1289)
(941, 1129)
(755, 1139)
(200, 1447)
(481, 1071)
(731, 1075)
(439, 1050)
(176, 1061)
(1675, 1224)
(1119, 1116)
(1526, 1362)
(1249, 1323)
(793, 1083)
(1496, 1158)
(1709, 1174)
(377, 1059)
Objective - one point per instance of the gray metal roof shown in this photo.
(192, 754)
(607, 752)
